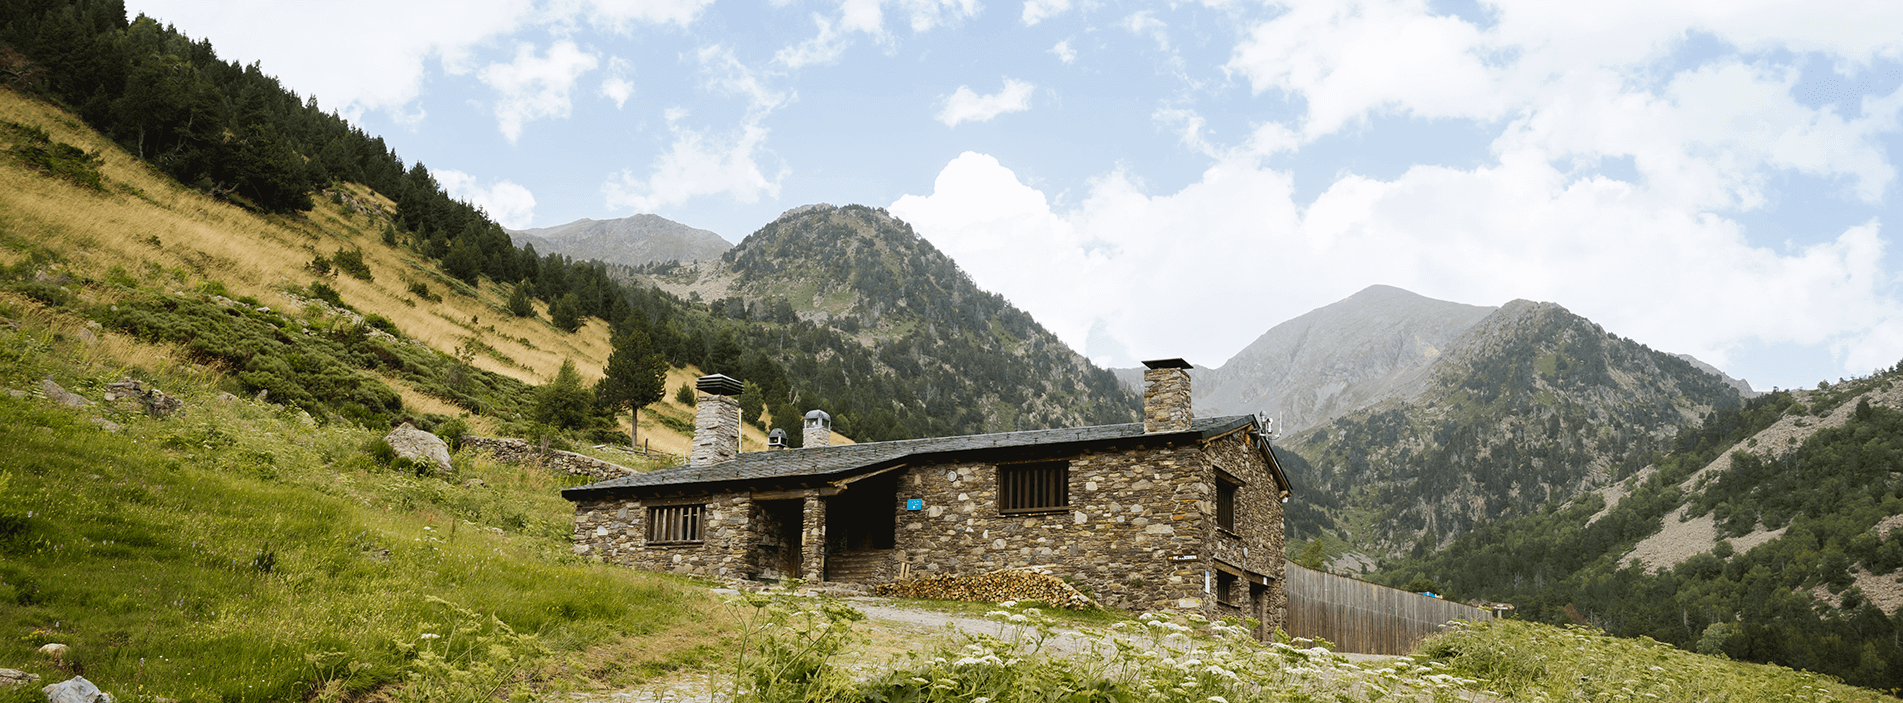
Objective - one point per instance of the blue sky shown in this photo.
(1157, 180)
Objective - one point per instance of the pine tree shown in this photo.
(563, 402)
(636, 376)
(519, 304)
(566, 313)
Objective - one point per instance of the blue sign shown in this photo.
(914, 503)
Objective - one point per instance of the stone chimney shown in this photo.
(1166, 396)
(716, 421)
(818, 431)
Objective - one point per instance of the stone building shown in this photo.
(1172, 513)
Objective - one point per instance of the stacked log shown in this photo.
(1017, 584)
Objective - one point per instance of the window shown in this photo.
(1033, 487)
(674, 524)
(1226, 590)
(1226, 504)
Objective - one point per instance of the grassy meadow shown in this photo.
(236, 552)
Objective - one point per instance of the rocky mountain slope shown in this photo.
(934, 350)
(1337, 358)
(1767, 532)
(631, 241)
(1530, 406)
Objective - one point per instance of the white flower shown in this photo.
(1019, 618)
(1009, 604)
(429, 636)
(1218, 699)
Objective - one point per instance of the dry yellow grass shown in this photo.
(201, 239)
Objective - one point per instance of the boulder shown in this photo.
(419, 446)
(16, 677)
(155, 401)
(61, 396)
(75, 690)
(107, 425)
(54, 650)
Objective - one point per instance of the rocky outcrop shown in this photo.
(62, 396)
(75, 690)
(419, 446)
(516, 451)
(635, 240)
(16, 677)
(155, 401)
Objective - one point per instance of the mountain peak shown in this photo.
(633, 241)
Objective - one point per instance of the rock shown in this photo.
(262, 394)
(419, 446)
(87, 336)
(225, 397)
(54, 650)
(61, 396)
(474, 483)
(15, 677)
(158, 404)
(15, 392)
(107, 425)
(75, 690)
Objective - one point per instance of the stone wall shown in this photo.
(517, 451)
(1165, 400)
(615, 531)
(1129, 515)
(1140, 532)
(716, 430)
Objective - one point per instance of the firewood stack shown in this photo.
(1023, 583)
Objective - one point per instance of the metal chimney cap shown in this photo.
(1167, 364)
(718, 384)
(818, 415)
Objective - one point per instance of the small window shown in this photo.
(1226, 591)
(674, 524)
(1034, 487)
(1226, 504)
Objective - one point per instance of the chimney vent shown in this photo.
(1166, 396)
(776, 439)
(717, 384)
(716, 421)
(818, 431)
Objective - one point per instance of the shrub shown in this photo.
(350, 261)
(452, 432)
(686, 394)
(323, 291)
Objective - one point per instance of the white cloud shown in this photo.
(1116, 269)
(1145, 24)
(703, 162)
(510, 205)
(619, 15)
(867, 17)
(699, 163)
(1036, 11)
(534, 87)
(616, 86)
(383, 67)
(1064, 53)
(967, 106)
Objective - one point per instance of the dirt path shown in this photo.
(892, 631)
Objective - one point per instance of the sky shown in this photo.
(1172, 180)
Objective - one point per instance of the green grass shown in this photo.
(1528, 661)
(236, 553)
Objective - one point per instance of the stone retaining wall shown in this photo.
(517, 451)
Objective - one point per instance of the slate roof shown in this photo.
(839, 461)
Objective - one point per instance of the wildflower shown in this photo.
(429, 636)
(1009, 604)
(1218, 699)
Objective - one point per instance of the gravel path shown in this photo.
(892, 630)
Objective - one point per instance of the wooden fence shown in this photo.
(1366, 618)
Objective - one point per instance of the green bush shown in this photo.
(350, 261)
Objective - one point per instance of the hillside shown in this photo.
(1766, 534)
(1336, 358)
(629, 241)
(1529, 406)
(934, 350)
